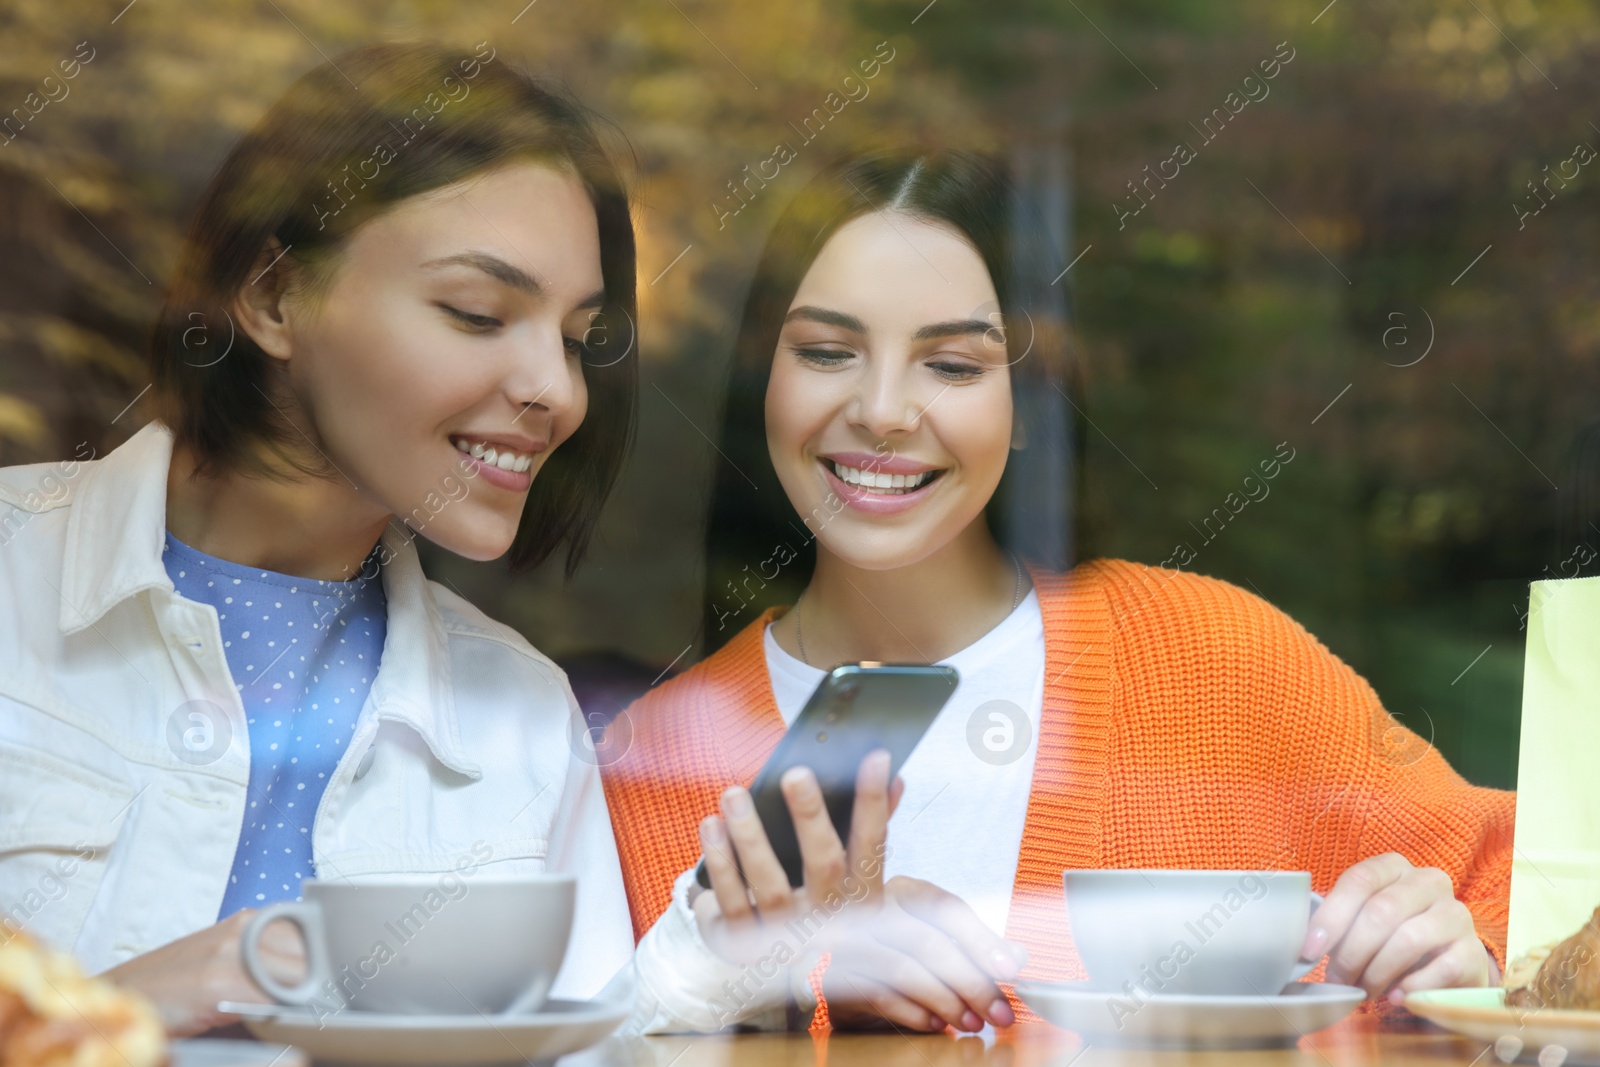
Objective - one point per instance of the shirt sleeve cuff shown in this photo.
(681, 984)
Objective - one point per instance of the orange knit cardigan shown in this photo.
(1186, 723)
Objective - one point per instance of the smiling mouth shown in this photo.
(880, 483)
(504, 458)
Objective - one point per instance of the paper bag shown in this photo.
(1555, 875)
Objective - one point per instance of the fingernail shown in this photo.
(799, 780)
(1000, 1012)
(1397, 996)
(712, 833)
(1316, 944)
(938, 1023)
(1003, 964)
(736, 803)
(970, 1020)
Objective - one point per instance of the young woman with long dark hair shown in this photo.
(898, 486)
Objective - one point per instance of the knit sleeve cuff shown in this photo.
(685, 985)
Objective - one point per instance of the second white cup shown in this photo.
(1164, 932)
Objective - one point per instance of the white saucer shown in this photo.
(1103, 1017)
(368, 1037)
(226, 1052)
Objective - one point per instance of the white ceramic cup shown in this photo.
(438, 944)
(1164, 932)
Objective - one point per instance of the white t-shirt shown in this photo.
(959, 823)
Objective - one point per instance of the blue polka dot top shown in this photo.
(303, 654)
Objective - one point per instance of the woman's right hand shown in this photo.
(185, 978)
(907, 954)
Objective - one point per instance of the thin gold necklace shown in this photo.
(799, 619)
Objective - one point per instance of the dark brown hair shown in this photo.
(347, 141)
(1033, 509)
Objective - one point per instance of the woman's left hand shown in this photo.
(1393, 928)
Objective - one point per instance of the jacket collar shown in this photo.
(413, 684)
(115, 535)
(116, 529)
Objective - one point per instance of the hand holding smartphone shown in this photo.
(796, 864)
(856, 709)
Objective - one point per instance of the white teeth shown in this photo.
(903, 483)
(505, 459)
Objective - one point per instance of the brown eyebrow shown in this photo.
(957, 328)
(826, 317)
(829, 317)
(494, 266)
(507, 274)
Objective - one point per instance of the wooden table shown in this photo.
(1355, 1042)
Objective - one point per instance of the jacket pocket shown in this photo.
(58, 821)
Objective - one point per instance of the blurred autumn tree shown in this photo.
(1308, 256)
(1303, 257)
(96, 190)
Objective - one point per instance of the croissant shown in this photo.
(1568, 977)
(52, 1015)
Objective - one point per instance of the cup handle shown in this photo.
(1303, 969)
(308, 918)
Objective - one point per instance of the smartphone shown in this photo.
(857, 708)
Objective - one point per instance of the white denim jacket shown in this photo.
(120, 810)
(118, 830)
